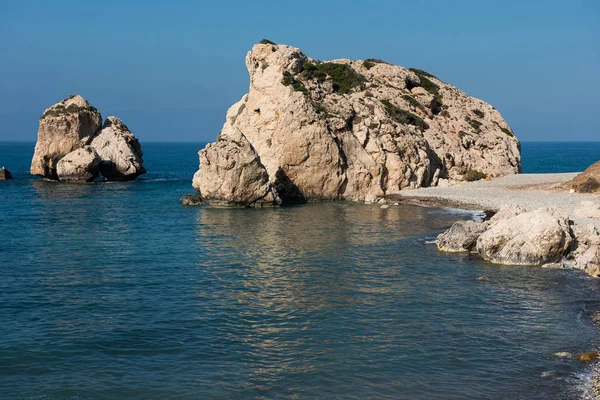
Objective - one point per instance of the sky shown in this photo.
(170, 70)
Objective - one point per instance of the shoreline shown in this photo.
(528, 191)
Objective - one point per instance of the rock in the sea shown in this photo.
(5, 174)
(588, 181)
(353, 130)
(529, 238)
(73, 124)
(64, 127)
(462, 236)
(591, 356)
(119, 150)
(192, 200)
(81, 165)
(231, 173)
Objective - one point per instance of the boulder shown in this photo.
(232, 174)
(81, 165)
(529, 238)
(588, 181)
(586, 255)
(5, 174)
(66, 126)
(462, 236)
(119, 150)
(352, 130)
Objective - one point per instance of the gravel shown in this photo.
(529, 191)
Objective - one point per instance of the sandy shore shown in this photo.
(529, 191)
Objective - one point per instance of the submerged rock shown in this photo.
(66, 126)
(462, 236)
(119, 150)
(530, 238)
(192, 200)
(71, 125)
(591, 356)
(353, 130)
(81, 165)
(5, 174)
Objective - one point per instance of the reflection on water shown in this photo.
(117, 291)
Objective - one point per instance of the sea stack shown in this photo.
(73, 145)
(347, 130)
(5, 174)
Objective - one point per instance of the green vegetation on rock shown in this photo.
(427, 84)
(413, 102)
(370, 62)
(474, 175)
(475, 125)
(478, 112)
(288, 79)
(343, 77)
(404, 117)
(421, 73)
(60, 109)
(266, 41)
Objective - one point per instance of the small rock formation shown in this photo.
(66, 126)
(540, 237)
(588, 181)
(119, 150)
(73, 124)
(192, 200)
(5, 174)
(353, 130)
(462, 236)
(81, 165)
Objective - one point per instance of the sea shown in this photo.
(117, 291)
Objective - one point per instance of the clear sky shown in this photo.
(171, 69)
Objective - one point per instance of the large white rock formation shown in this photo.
(71, 125)
(354, 130)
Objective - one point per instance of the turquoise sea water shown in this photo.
(117, 291)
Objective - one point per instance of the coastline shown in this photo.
(528, 191)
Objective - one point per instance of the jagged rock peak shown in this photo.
(351, 130)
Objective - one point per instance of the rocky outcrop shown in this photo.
(354, 130)
(81, 165)
(588, 181)
(119, 150)
(462, 236)
(539, 237)
(66, 126)
(73, 124)
(5, 174)
(530, 238)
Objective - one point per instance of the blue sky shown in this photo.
(171, 69)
